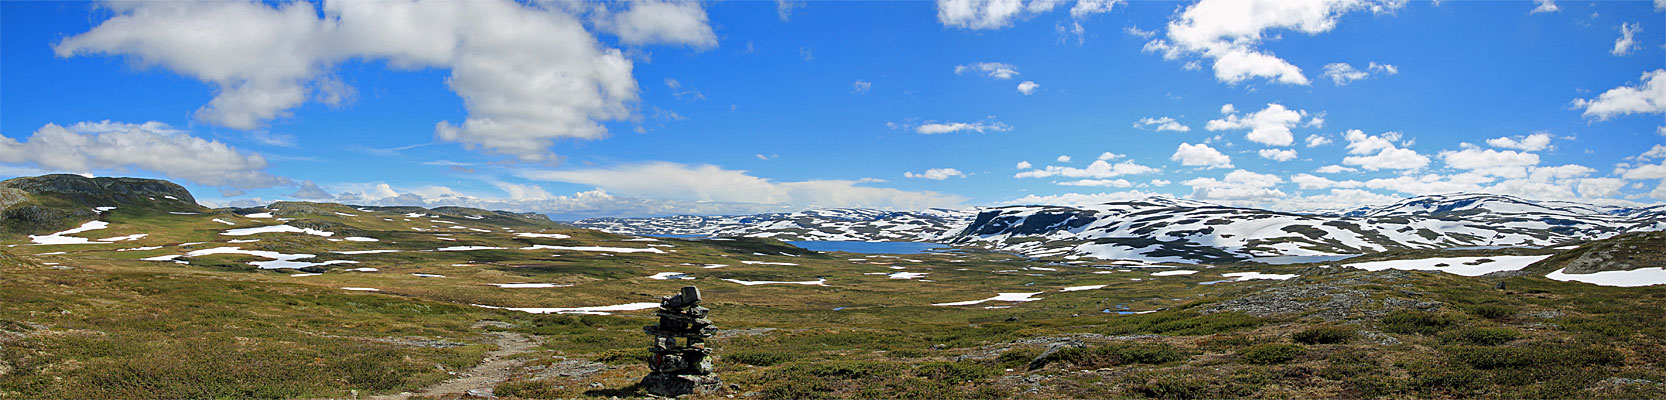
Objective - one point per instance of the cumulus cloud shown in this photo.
(528, 75)
(1334, 169)
(1380, 152)
(1062, 158)
(153, 146)
(1342, 74)
(1230, 31)
(1237, 185)
(860, 87)
(1200, 155)
(1545, 6)
(1534, 142)
(1279, 155)
(996, 14)
(1648, 97)
(1027, 87)
(658, 22)
(1317, 140)
(1162, 124)
(1024, 165)
(1600, 187)
(307, 190)
(1627, 41)
(674, 181)
(990, 69)
(935, 128)
(1506, 163)
(1118, 183)
(936, 174)
(1099, 169)
(1083, 199)
(1270, 126)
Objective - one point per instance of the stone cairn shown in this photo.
(685, 369)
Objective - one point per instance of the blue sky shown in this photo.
(650, 108)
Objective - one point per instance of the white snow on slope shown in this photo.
(1454, 265)
(1629, 278)
(275, 229)
(998, 297)
(818, 282)
(62, 238)
(596, 248)
(598, 310)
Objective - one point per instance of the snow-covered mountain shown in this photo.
(1175, 230)
(1161, 229)
(822, 224)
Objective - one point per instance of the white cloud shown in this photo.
(1107, 156)
(1545, 6)
(1063, 158)
(1307, 181)
(996, 14)
(1117, 183)
(1279, 155)
(1648, 97)
(1099, 169)
(861, 87)
(528, 75)
(1229, 31)
(1645, 171)
(1087, 8)
(934, 128)
(1505, 163)
(1024, 165)
(658, 22)
(1379, 152)
(1160, 182)
(152, 146)
(1334, 169)
(1383, 68)
(1270, 126)
(784, 8)
(1627, 41)
(1600, 187)
(674, 181)
(1237, 185)
(978, 14)
(1200, 155)
(1162, 124)
(1658, 151)
(1535, 142)
(990, 69)
(1082, 199)
(1027, 87)
(936, 174)
(1132, 30)
(1317, 140)
(1342, 73)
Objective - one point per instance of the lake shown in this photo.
(868, 247)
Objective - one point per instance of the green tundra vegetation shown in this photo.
(98, 321)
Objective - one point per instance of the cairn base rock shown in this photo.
(671, 385)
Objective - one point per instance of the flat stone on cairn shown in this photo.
(686, 368)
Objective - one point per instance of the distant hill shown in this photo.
(47, 203)
(1177, 230)
(823, 224)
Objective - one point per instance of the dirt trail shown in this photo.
(494, 369)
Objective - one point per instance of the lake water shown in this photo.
(868, 247)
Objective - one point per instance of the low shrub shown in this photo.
(1417, 322)
(1492, 311)
(1324, 335)
(1481, 336)
(1119, 354)
(1271, 353)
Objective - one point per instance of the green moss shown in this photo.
(1417, 322)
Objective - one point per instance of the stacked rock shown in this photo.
(686, 368)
